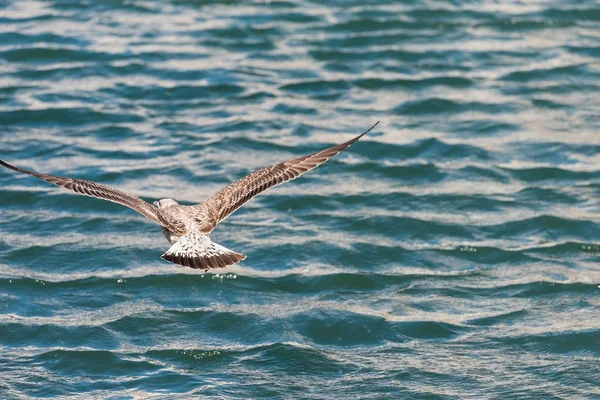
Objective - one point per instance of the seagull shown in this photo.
(187, 227)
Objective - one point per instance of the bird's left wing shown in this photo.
(94, 189)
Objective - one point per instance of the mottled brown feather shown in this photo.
(233, 196)
(98, 190)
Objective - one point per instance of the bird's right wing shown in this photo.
(233, 196)
(93, 189)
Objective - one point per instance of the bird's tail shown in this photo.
(196, 250)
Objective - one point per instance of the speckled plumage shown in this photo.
(187, 227)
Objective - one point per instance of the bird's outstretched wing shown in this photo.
(93, 189)
(233, 196)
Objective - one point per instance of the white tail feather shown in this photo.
(196, 250)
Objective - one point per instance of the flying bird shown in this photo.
(187, 227)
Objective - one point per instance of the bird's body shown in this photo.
(191, 247)
(187, 227)
(171, 237)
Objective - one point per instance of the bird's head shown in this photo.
(163, 203)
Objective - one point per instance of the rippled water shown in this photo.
(452, 253)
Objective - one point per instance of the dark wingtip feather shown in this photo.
(368, 130)
(7, 165)
(363, 134)
(335, 150)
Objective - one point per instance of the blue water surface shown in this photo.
(453, 253)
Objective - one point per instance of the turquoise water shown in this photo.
(453, 253)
